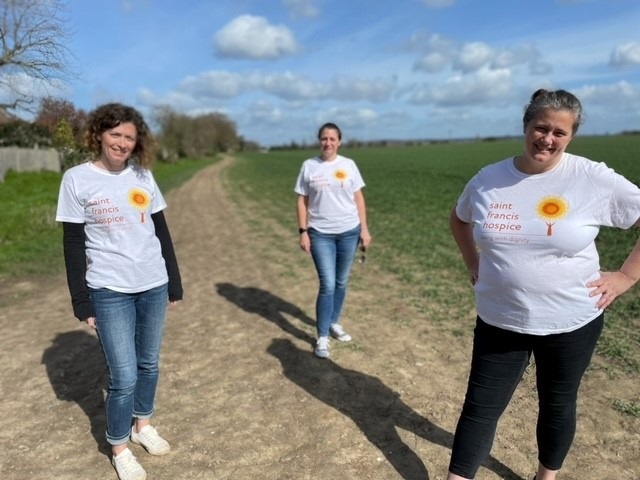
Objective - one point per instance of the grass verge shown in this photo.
(31, 239)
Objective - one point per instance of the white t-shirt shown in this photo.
(330, 186)
(123, 252)
(535, 235)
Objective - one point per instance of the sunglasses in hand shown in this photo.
(363, 257)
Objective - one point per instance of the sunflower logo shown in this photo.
(341, 175)
(552, 209)
(140, 200)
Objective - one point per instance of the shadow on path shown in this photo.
(78, 373)
(377, 410)
(269, 306)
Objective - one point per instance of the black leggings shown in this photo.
(498, 363)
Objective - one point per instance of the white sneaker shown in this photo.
(322, 347)
(148, 437)
(127, 467)
(338, 332)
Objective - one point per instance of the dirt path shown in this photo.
(241, 395)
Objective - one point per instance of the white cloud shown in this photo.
(288, 85)
(441, 52)
(355, 89)
(285, 85)
(626, 55)
(301, 8)
(537, 67)
(128, 6)
(366, 123)
(432, 62)
(348, 118)
(472, 56)
(179, 101)
(264, 112)
(439, 3)
(438, 52)
(519, 54)
(610, 108)
(252, 37)
(620, 96)
(19, 85)
(213, 84)
(486, 85)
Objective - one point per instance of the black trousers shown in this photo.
(497, 365)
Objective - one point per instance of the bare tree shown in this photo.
(33, 37)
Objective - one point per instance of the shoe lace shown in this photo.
(127, 463)
(150, 435)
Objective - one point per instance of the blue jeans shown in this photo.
(130, 327)
(333, 255)
(498, 362)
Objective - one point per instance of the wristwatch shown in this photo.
(302, 230)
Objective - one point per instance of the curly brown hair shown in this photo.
(109, 116)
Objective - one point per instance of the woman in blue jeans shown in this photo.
(332, 219)
(122, 271)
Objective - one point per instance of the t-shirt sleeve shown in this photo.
(358, 181)
(463, 207)
(625, 203)
(158, 202)
(302, 186)
(70, 208)
(620, 205)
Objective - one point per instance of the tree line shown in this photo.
(59, 124)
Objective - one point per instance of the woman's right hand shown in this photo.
(91, 321)
(305, 242)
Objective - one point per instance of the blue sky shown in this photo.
(381, 69)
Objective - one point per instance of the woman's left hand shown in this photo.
(609, 286)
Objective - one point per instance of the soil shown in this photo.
(241, 394)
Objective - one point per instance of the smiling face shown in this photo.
(117, 144)
(546, 138)
(329, 143)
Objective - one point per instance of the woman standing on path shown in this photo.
(332, 219)
(526, 228)
(122, 271)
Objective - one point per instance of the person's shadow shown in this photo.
(78, 373)
(269, 306)
(375, 408)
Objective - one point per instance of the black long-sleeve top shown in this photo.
(75, 257)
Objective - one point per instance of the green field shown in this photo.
(410, 192)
